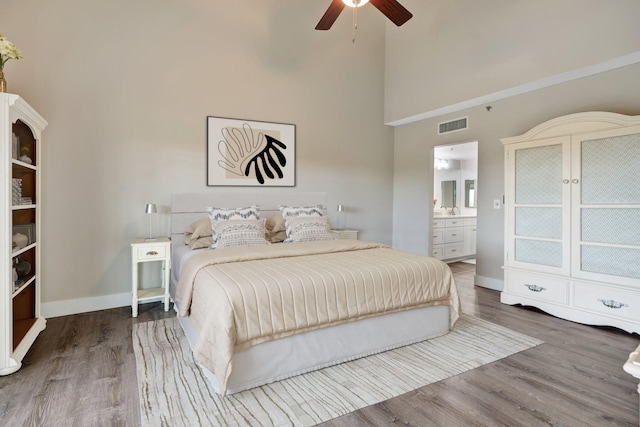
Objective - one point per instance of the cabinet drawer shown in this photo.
(538, 287)
(453, 251)
(438, 223)
(453, 235)
(438, 237)
(608, 301)
(152, 252)
(438, 252)
(469, 222)
(450, 222)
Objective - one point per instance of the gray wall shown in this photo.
(126, 87)
(616, 91)
(454, 55)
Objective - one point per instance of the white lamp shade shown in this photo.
(355, 3)
(151, 208)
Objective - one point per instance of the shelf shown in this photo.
(21, 207)
(23, 286)
(150, 293)
(23, 250)
(24, 165)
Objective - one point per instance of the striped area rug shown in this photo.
(174, 392)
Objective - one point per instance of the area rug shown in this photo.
(174, 392)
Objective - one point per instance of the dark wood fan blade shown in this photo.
(330, 15)
(392, 10)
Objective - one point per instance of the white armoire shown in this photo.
(572, 219)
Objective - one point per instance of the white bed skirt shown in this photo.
(297, 354)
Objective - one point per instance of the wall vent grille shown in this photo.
(453, 125)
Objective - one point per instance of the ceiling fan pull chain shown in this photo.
(355, 22)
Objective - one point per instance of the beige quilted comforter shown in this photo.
(240, 297)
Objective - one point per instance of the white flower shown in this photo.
(7, 51)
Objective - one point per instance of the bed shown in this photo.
(300, 306)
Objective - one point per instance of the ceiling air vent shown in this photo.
(453, 125)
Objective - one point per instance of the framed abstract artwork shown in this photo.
(250, 153)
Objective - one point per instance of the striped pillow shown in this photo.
(217, 215)
(238, 232)
(306, 223)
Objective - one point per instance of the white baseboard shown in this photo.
(488, 282)
(84, 305)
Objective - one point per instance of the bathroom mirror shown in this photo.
(470, 195)
(448, 194)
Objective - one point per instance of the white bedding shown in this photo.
(240, 297)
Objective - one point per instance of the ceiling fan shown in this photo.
(390, 8)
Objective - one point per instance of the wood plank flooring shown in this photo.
(81, 372)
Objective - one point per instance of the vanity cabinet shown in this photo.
(572, 213)
(20, 247)
(453, 237)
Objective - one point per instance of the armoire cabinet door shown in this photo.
(607, 220)
(540, 203)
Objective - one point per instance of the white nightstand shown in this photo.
(143, 250)
(345, 233)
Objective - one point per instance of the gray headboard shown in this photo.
(188, 207)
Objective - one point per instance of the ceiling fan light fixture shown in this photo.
(355, 3)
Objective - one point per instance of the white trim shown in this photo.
(488, 282)
(84, 305)
(612, 64)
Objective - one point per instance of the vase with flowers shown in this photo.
(7, 51)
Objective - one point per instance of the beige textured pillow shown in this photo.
(274, 223)
(275, 228)
(277, 237)
(202, 242)
(198, 229)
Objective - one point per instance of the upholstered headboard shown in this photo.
(188, 207)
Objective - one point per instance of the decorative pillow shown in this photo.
(276, 231)
(244, 232)
(274, 223)
(278, 237)
(308, 228)
(225, 214)
(198, 229)
(202, 242)
(303, 223)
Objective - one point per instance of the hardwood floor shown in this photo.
(81, 372)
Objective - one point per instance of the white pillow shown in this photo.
(305, 223)
(242, 232)
(226, 214)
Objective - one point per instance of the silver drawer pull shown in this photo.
(612, 304)
(453, 235)
(535, 288)
(152, 253)
(454, 250)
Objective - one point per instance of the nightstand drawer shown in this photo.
(152, 252)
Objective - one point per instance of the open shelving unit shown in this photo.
(20, 159)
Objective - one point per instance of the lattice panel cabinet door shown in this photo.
(606, 200)
(538, 198)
